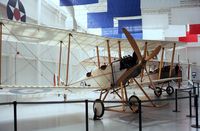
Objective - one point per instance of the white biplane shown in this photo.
(110, 77)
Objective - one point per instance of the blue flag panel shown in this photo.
(77, 2)
(111, 32)
(133, 26)
(137, 36)
(96, 20)
(116, 8)
(119, 8)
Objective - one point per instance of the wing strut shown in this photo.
(120, 53)
(144, 56)
(109, 56)
(98, 60)
(68, 57)
(161, 63)
(172, 61)
(60, 58)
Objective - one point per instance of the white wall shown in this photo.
(168, 16)
(159, 4)
(175, 31)
(184, 16)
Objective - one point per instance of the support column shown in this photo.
(0, 49)
(188, 69)
(172, 61)
(68, 57)
(109, 56)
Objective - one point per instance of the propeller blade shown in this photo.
(145, 50)
(126, 74)
(154, 53)
(144, 56)
(133, 43)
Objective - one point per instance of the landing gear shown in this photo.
(158, 91)
(170, 90)
(98, 108)
(133, 103)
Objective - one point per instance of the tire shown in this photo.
(158, 91)
(133, 103)
(98, 109)
(170, 90)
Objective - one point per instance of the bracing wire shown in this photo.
(30, 51)
(29, 63)
(89, 57)
(83, 66)
(35, 56)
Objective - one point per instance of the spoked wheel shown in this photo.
(170, 90)
(158, 91)
(133, 103)
(98, 108)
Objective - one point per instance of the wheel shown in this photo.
(98, 108)
(170, 90)
(133, 103)
(158, 91)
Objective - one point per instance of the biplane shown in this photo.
(112, 77)
(115, 76)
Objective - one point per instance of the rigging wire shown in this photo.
(36, 58)
(30, 51)
(29, 63)
(90, 58)
(83, 67)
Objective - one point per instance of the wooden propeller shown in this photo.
(133, 43)
(144, 56)
(137, 50)
(144, 59)
(154, 53)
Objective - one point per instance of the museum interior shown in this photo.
(99, 65)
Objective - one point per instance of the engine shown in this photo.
(128, 61)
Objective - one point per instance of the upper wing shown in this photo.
(26, 32)
(36, 34)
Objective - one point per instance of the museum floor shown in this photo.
(71, 117)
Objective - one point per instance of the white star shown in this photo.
(16, 7)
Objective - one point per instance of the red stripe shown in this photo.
(195, 29)
(189, 38)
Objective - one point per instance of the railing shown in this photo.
(15, 103)
(189, 90)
